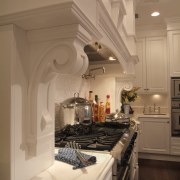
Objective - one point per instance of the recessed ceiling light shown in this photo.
(156, 13)
(112, 58)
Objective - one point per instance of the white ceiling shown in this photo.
(167, 9)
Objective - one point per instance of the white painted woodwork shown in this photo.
(140, 68)
(154, 135)
(45, 40)
(151, 71)
(96, 19)
(6, 39)
(174, 52)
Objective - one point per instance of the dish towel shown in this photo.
(69, 156)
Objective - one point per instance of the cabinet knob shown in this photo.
(167, 122)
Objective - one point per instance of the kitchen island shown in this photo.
(102, 170)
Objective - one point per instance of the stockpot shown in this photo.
(81, 108)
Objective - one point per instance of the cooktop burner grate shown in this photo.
(98, 137)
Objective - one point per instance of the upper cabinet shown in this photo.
(174, 52)
(151, 71)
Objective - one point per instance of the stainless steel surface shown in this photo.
(94, 69)
(99, 54)
(176, 120)
(175, 105)
(90, 75)
(117, 117)
(175, 116)
(82, 109)
(175, 87)
(76, 147)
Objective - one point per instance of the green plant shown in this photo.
(129, 96)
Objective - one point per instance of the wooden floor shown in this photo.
(158, 170)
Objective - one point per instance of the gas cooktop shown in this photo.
(101, 136)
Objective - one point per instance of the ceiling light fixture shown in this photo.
(112, 58)
(154, 14)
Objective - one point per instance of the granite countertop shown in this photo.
(61, 170)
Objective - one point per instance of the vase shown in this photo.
(126, 109)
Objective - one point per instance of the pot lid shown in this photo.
(117, 116)
(75, 100)
(71, 102)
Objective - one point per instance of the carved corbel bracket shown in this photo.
(65, 57)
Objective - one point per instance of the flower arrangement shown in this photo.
(129, 96)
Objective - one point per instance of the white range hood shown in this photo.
(37, 43)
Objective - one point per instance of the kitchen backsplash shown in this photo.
(149, 101)
(67, 85)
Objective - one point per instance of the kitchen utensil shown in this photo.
(118, 117)
(83, 113)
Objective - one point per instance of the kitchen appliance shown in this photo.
(76, 110)
(175, 87)
(116, 140)
(175, 105)
(175, 114)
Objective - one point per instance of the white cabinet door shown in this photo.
(140, 68)
(151, 71)
(174, 52)
(156, 64)
(154, 136)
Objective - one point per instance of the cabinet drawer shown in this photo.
(175, 146)
(175, 150)
(175, 141)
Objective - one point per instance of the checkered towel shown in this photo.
(69, 156)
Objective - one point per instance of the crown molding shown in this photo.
(51, 16)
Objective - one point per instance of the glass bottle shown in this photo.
(91, 97)
(96, 109)
(101, 112)
(108, 109)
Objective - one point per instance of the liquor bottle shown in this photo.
(108, 109)
(101, 112)
(91, 97)
(96, 109)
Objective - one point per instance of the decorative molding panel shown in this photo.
(123, 82)
(109, 28)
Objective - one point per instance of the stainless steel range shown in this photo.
(116, 139)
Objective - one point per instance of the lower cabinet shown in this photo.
(154, 136)
(134, 172)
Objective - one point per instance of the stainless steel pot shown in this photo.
(83, 113)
